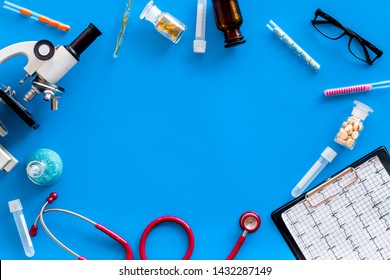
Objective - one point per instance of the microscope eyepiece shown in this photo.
(84, 40)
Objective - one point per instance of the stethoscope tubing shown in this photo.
(110, 233)
(163, 219)
(237, 247)
(249, 221)
(43, 210)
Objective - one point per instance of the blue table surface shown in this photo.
(162, 130)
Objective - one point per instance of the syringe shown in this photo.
(15, 207)
(326, 156)
(33, 15)
(200, 33)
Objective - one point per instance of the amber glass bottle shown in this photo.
(229, 19)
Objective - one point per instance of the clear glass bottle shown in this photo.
(163, 22)
(351, 128)
(229, 19)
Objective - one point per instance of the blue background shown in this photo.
(164, 131)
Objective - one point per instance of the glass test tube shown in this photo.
(293, 46)
(36, 16)
(200, 32)
(121, 34)
(15, 207)
(326, 156)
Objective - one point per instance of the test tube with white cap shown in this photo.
(15, 207)
(200, 32)
(326, 156)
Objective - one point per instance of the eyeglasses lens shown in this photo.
(357, 49)
(327, 28)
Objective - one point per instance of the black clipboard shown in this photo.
(287, 228)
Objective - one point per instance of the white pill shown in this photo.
(343, 135)
(341, 141)
(350, 142)
(355, 135)
(279, 32)
(348, 128)
(288, 40)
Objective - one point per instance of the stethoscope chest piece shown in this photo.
(250, 221)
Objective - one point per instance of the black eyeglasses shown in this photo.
(359, 47)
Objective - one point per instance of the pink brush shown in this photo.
(357, 88)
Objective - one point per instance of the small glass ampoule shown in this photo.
(163, 22)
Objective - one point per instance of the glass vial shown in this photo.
(229, 19)
(351, 128)
(44, 167)
(163, 22)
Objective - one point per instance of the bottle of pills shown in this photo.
(351, 128)
(163, 22)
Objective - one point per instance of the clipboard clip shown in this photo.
(314, 198)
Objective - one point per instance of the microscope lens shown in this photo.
(84, 40)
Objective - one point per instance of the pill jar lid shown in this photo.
(361, 110)
(150, 12)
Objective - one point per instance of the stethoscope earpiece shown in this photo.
(53, 196)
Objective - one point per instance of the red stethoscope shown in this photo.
(249, 222)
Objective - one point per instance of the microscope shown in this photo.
(46, 65)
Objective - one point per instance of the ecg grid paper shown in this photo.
(354, 224)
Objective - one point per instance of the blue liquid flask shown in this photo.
(44, 167)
